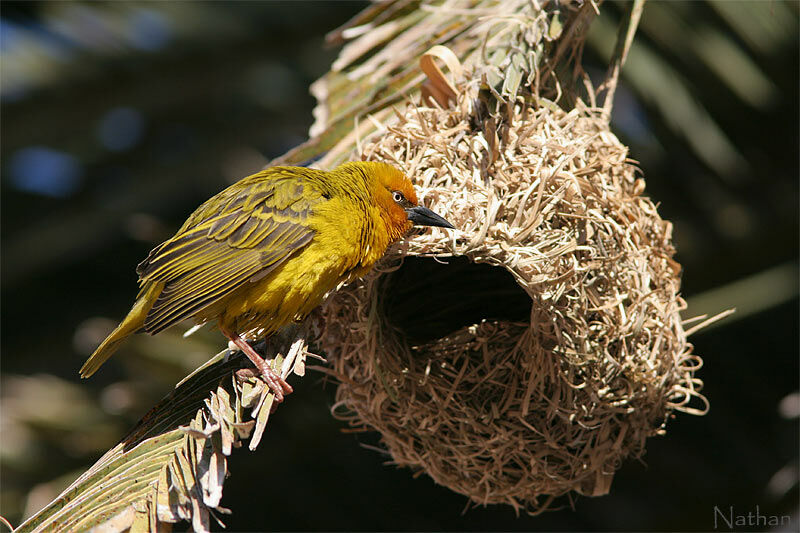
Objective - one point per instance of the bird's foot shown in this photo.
(276, 383)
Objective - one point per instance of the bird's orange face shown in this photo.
(395, 193)
(397, 197)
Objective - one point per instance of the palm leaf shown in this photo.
(172, 464)
(509, 40)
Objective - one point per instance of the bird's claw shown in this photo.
(279, 386)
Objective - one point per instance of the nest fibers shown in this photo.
(510, 412)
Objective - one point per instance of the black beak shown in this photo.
(422, 216)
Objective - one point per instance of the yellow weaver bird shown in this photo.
(264, 252)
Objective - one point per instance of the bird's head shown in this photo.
(394, 195)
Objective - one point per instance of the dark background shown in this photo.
(118, 119)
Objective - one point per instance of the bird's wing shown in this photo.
(238, 236)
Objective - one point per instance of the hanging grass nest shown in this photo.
(526, 355)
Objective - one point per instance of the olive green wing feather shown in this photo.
(236, 237)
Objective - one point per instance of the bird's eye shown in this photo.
(398, 197)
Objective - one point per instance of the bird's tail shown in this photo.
(131, 324)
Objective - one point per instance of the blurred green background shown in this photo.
(119, 118)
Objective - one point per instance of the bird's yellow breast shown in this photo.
(349, 238)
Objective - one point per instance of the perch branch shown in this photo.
(172, 465)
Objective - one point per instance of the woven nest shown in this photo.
(556, 372)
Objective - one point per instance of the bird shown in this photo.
(264, 252)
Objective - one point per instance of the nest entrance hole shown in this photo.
(427, 299)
